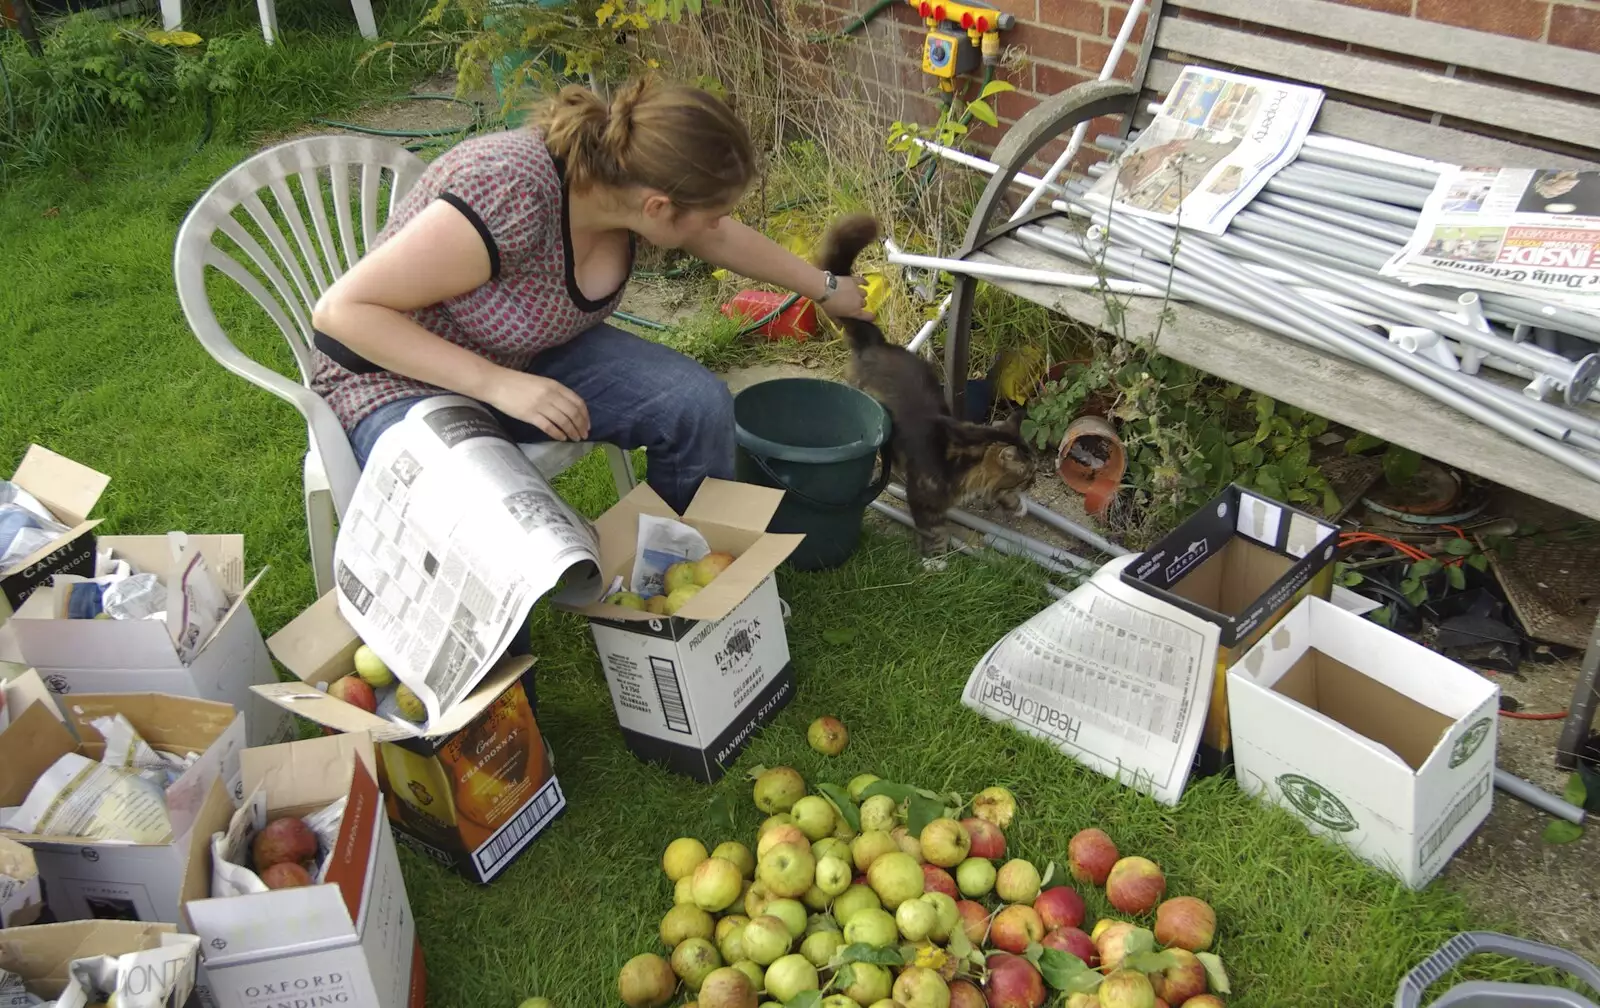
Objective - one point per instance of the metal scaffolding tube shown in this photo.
(1372, 255)
(1000, 271)
(1312, 154)
(1042, 549)
(1366, 347)
(1309, 328)
(1329, 215)
(1338, 232)
(1069, 527)
(1352, 184)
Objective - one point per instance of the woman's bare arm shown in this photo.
(437, 256)
(747, 252)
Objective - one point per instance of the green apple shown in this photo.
(371, 668)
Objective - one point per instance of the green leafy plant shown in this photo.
(950, 128)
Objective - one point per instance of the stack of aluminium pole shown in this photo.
(1302, 261)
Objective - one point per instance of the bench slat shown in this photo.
(1343, 392)
(1556, 66)
(1385, 129)
(1557, 119)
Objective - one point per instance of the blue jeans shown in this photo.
(639, 394)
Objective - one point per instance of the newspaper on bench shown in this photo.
(1528, 231)
(1115, 678)
(451, 537)
(1218, 138)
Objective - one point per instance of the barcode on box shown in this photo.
(524, 826)
(670, 694)
(1453, 818)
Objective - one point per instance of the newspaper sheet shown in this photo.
(1114, 678)
(451, 537)
(1218, 138)
(1529, 231)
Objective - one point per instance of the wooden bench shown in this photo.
(1433, 90)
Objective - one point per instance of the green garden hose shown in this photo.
(854, 26)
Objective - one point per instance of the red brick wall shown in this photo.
(1065, 42)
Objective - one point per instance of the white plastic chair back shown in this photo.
(291, 270)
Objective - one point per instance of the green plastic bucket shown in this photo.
(819, 442)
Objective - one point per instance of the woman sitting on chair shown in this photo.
(495, 275)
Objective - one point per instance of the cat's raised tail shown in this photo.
(845, 240)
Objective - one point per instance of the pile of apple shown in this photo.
(877, 895)
(681, 582)
(284, 853)
(362, 687)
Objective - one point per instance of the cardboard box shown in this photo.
(1372, 739)
(475, 790)
(119, 656)
(43, 955)
(70, 491)
(1241, 562)
(104, 880)
(350, 941)
(690, 690)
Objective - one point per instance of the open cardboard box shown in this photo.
(99, 879)
(1241, 562)
(70, 491)
(471, 790)
(43, 955)
(118, 656)
(349, 941)
(21, 896)
(691, 689)
(1372, 739)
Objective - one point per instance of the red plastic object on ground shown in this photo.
(798, 323)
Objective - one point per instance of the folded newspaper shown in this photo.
(1115, 678)
(450, 538)
(161, 977)
(121, 797)
(1528, 231)
(1218, 138)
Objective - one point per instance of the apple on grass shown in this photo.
(1187, 923)
(1017, 882)
(1074, 942)
(1135, 885)
(1091, 855)
(646, 981)
(987, 839)
(828, 735)
(1126, 988)
(1015, 928)
(974, 921)
(936, 879)
(1013, 982)
(728, 987)
(1183, 980)
(1059, 906)
(945, 842)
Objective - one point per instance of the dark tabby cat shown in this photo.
(943, 462)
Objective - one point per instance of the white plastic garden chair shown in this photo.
(172, 17)
(300, 267)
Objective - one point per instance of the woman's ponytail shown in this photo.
(678, 140)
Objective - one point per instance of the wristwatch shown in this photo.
(830, 284)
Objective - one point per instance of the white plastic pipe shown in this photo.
(1000, 271)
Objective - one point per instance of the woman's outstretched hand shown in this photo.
(548, 405)
(849, 300)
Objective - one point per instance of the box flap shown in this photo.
(29, 746)
(42, 954)
(27, 689)
(69, 489)
(500, 678)
(152, 554)
(618, 528)
(54, 544)
(311, 771)
(16, 861)
(318, 645)
(161, 719)
(212, 818)
(742, 505)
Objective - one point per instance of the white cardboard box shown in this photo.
(690, 690)
(94, 879)
(350, 941)
(1373, 740)
(21, 895)
(158, 957)
(120, 656)
(70, 490)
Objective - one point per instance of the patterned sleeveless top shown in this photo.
(515, 193)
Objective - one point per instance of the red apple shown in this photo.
(1204, 1001)
(285, 875)
(1015, 928)
(1161, 1004)
(936, 879)
(1181, 982)
(1090, 855)
(284, 839)
(1059, 906)
(353, 690)
(1126, 989)
(974, 921)
(1013, 982)
(1074, 941)
(963, 994)
(1112, 943)
(987, 839)
(1187, 923)
(1135, 885)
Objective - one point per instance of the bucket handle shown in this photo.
(885, 461)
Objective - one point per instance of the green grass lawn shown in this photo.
(97, 363)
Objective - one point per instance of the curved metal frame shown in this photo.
(1041, 124)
